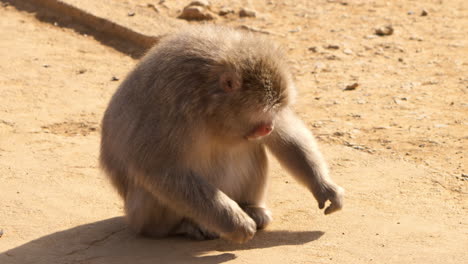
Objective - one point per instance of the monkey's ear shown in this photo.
(229, 81)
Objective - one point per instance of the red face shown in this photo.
(249, 101)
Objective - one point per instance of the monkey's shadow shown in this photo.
(110, 241)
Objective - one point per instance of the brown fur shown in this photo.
(174, 137)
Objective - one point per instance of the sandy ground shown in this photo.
(397, 143)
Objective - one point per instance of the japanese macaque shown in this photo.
(184, 137)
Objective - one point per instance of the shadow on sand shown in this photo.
(110, 241)
(108, 33)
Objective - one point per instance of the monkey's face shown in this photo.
(249, 101)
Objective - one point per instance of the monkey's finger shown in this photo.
(332, 208)
(335, 205)
(321, 204)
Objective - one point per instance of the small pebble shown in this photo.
(397, 101)
(203, 3)
(331, 46)
(313, 49)
(317, 124)
(130, 14)
(424, 12)
(295, 30)
(245, 12)
(45, 65)
(1, 232)
(332, 57)
(347, 51)
(351, 87)
(384, 31)
(152, 6)
(416, 38)
(430, 83)
(195, 13)
(319, 65)
(225, 11)
(114, 79)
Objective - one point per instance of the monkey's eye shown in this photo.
(279, 101)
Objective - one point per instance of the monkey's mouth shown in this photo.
(260, 131)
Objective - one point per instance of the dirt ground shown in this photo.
(397, 143)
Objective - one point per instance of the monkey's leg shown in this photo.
(295, 148)
(253, 201)
(191, 196)
(147, 216)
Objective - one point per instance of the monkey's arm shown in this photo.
(295, 148)
(194, 197)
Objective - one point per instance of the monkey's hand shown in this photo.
(260, 215)
(243, 230)
(329, 191)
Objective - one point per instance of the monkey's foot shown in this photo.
(194, 231)
(260, 215)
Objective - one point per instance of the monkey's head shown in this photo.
(250, 89)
